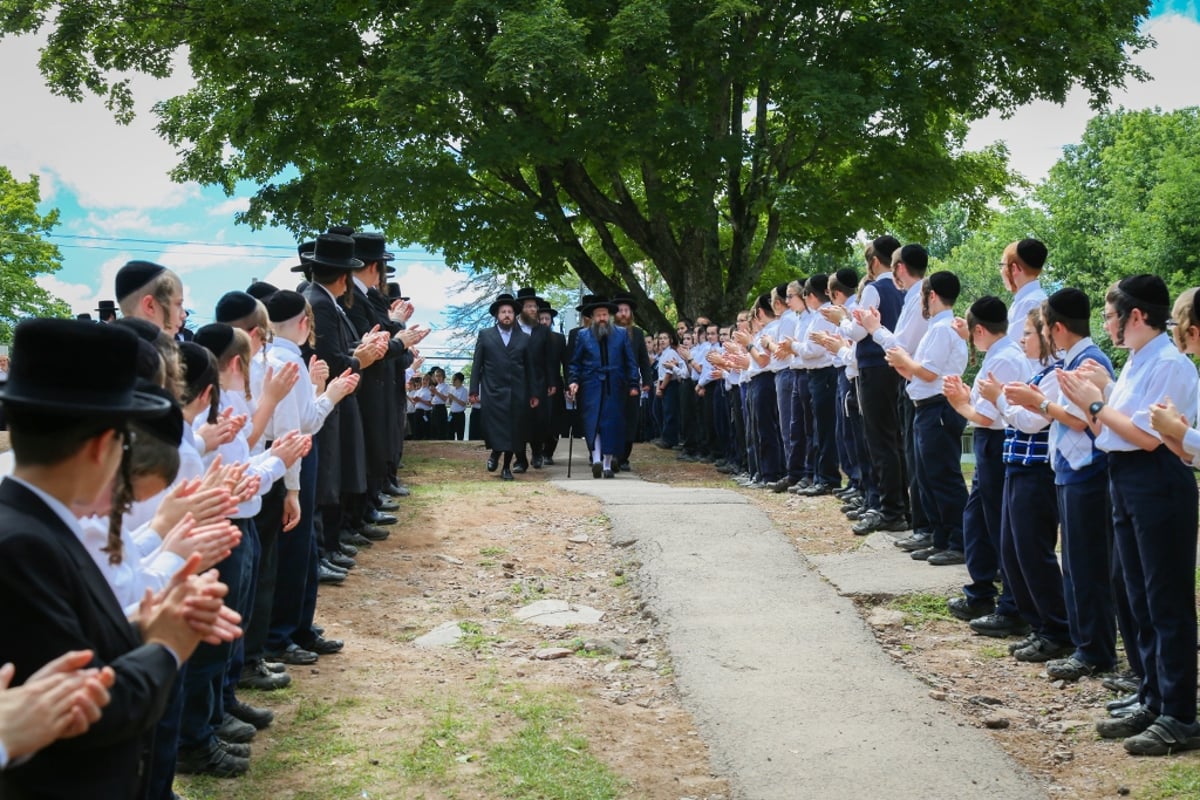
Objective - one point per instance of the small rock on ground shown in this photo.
(550, 653)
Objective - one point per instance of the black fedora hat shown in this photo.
(504, 299)
(393, 292)
(333, 251)
(301, 249)
(599, 302)
(588, 299)
(100, 382)
(528, 293)
(626, 299)
(544, 307)
(84, 317)
(107, 305)
(371, 246)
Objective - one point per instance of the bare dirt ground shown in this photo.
(481, 718)
(1048, 727)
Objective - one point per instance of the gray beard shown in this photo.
(601, 329)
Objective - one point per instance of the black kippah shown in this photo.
(168, 427)
(947, 286)
(781, 290)
(134, 275)
(989, 309)
(1070, 303)
(818, 283)
(197, 366)
(916, 258)
(261, 290)
(216, 337)
(848, 277)
(1032, 252)
(145, 330)
(234, 306)
(884, 246)
(285, 305)
(1146, 289)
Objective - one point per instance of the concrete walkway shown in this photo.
(787, 684)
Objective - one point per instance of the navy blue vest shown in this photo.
(891, 301)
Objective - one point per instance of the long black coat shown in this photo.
(637, 338)
(502, 377)
(398, 361)
(341, 465)
(54, 599)
(376, 396)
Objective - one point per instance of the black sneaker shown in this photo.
(295, 655)
(210, 760)
(257, 676)
(1071, 669)
(1042, 650)
(917, 541)
(964, 609)
(1125, 727)
(322, 646)
(234, 730)
(1166, 736)
(947, 558)
(925, 552)
(1000, 626)
(1013, 647)
(1124, 683)
(234, 749)
(869, 522)
(258, 717)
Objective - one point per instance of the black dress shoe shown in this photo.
(917, 541)
(325, 563)
(347, 549)
(548, 461)
(322, 646)
(537, 462)
(353, 537)
(233, 729)
(520, 467)
(257, 676)
(816, 490)
(947, 558)
(780, 486)
(624, 466)
(342, 562)
(258, 717)
(234, 748)
(506, 474)
(373, 534)
(326, 575)
(999, 625)
(608, 473)
(379, 518)
(597, 469)
(964, 609)
(493, 461)
(295, 655)
(385, 503)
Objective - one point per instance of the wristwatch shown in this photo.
(1095, 408)
(1044, 406)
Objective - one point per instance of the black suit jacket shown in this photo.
(53, 598)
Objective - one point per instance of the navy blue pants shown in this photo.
(792, 451)
(858, 429)
(801, 463)
(1154, 527)
(749, 390)
(1028, 537)
(296, 574)
(981, 524)
(1085, 522)
(670, 413)
(847, 452)
(823, 389)
(161, 768)
(736, 454)
(937, 431)
(244, 605)
(766, 428)
(916, 506)
(878, 400)
(718, 403)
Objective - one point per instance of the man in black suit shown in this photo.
(626, 304)
(556, 383)
(69, 439)
(341, 465)
(529, 321)
(502, 377)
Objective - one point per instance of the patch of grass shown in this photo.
(436, 752)
(492, 551)
(993, 651)
(1181, 779)
(486, 563)
(620, 580)
(473, 638)
(921, 607)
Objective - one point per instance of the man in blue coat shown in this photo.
(603, 373)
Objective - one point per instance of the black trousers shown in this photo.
(458, 425)
(878, 395)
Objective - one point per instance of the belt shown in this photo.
(929, 401)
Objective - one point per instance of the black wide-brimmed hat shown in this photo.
(528, 293)
(84, 317)
(371, 246)
(599, 302)
(505, 299)
(626, 299)
(100, 382)
(393, 292)
(109, 306)
(588, 299)
(544, 307)
(333, 252)
(301, 249)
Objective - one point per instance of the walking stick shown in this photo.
(570, 446)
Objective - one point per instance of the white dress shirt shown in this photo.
(941, 351)
(1151, 375)
(1006, 362)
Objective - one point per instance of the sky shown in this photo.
(117, 202)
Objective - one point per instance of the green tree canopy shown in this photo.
(695, 136)
(25, 254)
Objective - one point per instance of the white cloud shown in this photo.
(230, 207)
(83, 297)
(78, 145)
(1037, 133)
(130, 220)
